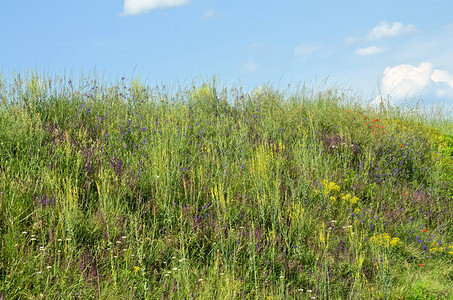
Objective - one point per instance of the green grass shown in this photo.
(130, 192)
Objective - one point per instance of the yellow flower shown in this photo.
(136, 269)
(334, 187)
(384, 239)
(333, 199)
(394, 241)
(354, 200)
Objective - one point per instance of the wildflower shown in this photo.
(136, 269)
(424, 230)
(394, 241)
(420, 265)
(404, 194)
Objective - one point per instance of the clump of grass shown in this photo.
(138, 192)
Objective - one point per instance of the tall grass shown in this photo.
(136, 192)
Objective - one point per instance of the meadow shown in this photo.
(126, 191)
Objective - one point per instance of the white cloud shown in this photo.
(384, 29)
(210, 14)
(369, 50)
(406, 80)
(440, 76)
(136, 7)
(305, 49)
(250, 67)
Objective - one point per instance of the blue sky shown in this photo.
(405, 47)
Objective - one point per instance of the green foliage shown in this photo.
(138, 192)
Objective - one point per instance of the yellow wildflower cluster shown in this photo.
(205, 91)
(437, 248)
(384, 239)
(330, 187)
(261, 162)
(332, 190)
(296, 212)
(349, 198)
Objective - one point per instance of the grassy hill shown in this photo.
(135, 192)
